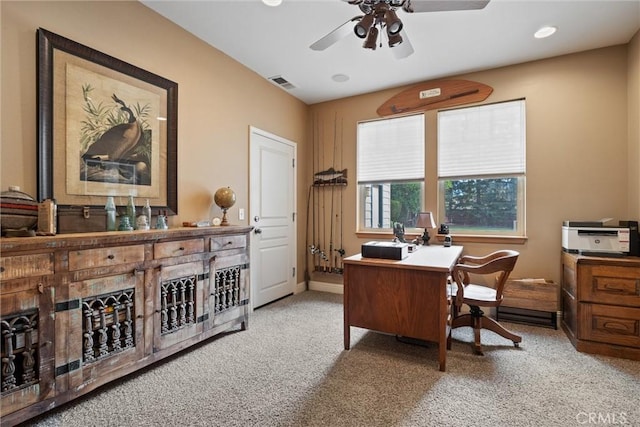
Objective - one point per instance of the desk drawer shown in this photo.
(178, 248)
(105, 257)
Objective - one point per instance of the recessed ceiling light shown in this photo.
(272, 2)
(545, 32)
(340, 78)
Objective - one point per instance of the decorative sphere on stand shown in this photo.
(224, 198)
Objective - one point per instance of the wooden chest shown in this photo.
(81, 219)
(532, 294)
(531, 301)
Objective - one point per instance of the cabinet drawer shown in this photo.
(26, 266)
(178, 248)
(610, 324)
(612, 285)
(105, 257)
(228, 242)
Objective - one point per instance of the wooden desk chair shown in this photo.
(500, 264)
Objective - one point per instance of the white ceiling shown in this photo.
(274, 41)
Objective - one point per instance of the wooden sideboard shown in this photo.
(80, 310)
(601, 304)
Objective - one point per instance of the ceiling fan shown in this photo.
(380, 18)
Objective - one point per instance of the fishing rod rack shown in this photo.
(325, 231)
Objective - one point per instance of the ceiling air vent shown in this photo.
(282, 82)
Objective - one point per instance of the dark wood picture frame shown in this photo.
(47, 43)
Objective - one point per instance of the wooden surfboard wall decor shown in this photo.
(435, 94)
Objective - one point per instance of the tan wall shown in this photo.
(634, 126)
(582, 127)
(218, 98)
(576, 147)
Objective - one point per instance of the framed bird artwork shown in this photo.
(105, 128)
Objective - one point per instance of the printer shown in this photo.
(594, 238)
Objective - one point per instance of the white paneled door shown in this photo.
(272, 195)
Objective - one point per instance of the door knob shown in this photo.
(258, 231)
(256, 218)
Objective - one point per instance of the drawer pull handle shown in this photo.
(181, 248)
(2, 269)
(41, 288)
(229, 242)
(110, 256)
(613, 288)
(213, 258)
(615, 326)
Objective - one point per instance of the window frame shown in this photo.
(361, 230)
(488, 235)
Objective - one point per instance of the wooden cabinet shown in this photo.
(601, 304)
(179, 304)
(27, 337)
(80, 310)
(99, 329)
(228, 281)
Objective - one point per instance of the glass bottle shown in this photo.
(161, 222)
(110, 207)
(131, 212)
(146, 211)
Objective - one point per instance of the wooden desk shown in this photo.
(406, 298)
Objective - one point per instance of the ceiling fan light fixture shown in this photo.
(362, 27)
(395, 40)
(394, 24)
(372, 39)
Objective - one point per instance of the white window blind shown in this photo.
(483, 140)
(391, 150)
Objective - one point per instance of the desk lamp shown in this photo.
(425, 220)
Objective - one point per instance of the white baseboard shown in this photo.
(334, 288)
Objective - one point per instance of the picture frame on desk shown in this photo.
(105, 128)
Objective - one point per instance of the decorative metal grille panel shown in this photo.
(227, 288)
(108, 324)
(177, 302)
(20, 351)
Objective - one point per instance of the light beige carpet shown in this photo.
(290, 369)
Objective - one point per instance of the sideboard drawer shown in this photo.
(178, 248)
(19, 266)
(105, 257)
(228, 242)
(611, 324)
(612, 285)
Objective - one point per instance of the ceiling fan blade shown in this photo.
(404, 49)
(336, 35)
(443, 5)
